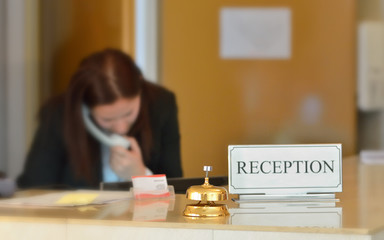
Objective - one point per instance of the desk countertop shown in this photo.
(359, 213)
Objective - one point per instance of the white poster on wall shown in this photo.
(255, 33)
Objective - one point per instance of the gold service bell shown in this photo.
(206, 194)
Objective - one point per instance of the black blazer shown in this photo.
(47, 164)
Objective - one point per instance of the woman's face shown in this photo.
(119, 116)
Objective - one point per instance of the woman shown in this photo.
(109, 90)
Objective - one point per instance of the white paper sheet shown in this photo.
(255, 33)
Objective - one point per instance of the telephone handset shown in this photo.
(109, 140)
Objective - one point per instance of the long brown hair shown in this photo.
(102, 78)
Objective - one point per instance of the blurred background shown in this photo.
(326, 89)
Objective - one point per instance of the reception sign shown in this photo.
(285, 169)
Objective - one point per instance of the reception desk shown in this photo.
(358, 215)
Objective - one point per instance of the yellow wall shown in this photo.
(73, 29)
(225, 102)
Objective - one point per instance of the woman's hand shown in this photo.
(127, 163)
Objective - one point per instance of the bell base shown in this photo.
(206, 210)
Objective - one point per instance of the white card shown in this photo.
(150, 186)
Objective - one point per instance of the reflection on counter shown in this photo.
(114, 210)
(152, 210)
(208, 220)
(298, 216)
